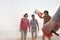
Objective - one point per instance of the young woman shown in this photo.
(24, 24)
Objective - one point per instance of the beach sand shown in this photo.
(16, 36)
(39, 38)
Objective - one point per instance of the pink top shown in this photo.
(24, 24)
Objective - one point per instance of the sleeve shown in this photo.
(56, 17)
(21, 22)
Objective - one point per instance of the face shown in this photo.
(33, 17)
(26, 16)
(45, 14)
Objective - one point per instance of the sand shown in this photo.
(39, 38)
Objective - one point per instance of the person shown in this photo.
(46, 18)
(24, 24)
(53, 24)
(33, 26)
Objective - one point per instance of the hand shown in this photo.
(49, 26)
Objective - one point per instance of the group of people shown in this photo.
(50, 24)
(25, 24)
(33, 25)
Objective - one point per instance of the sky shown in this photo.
(11, 11)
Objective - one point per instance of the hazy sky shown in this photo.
(11, 11)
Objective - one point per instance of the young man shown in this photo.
(34, 25)
(53, 24)
(24, 24)
(46, 18)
